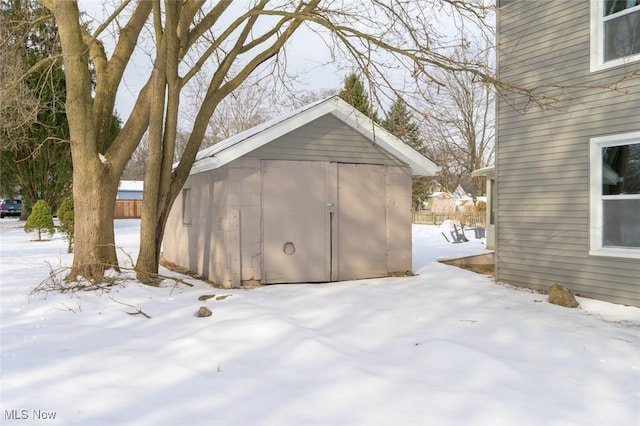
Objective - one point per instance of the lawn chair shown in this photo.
(457, 235)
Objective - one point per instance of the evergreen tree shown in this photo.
(35, 156)
(356, 95)
(40, 220)
(399, 122)
(65, 216)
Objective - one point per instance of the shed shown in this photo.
(320, 194)
(442, 202)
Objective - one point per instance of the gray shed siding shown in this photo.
(241, 218)
(542, 156)
(325, 139)
(183, 244)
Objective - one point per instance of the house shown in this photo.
(320, 194)
(575, 160)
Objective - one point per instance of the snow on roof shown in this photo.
(441, 194)
(486, 171)
(131, 185)
(238, 145)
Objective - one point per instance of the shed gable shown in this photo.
(328, 130)
(325, 139)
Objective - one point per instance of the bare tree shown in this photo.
(305, 97)
(254, 102)
(460, 122)
(235, 40)
(247, 106)
(19, 102)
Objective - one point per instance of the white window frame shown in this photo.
(596, 198)
(597, 39)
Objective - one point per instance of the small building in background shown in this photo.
(441, 202)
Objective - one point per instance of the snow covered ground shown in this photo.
(445, 347)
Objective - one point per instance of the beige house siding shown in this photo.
(542, 157)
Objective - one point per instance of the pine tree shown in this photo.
(355, 94)
(399, 122)
(65, 216)
(40, 219)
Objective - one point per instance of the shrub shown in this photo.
(40, 220)
(65, 216)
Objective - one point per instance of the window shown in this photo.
(615, 33)
(615, 195)
(186, 206)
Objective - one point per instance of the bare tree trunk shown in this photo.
(94, 184)
(163, 125)
(151, 234)
(97, 164)
(94, 193)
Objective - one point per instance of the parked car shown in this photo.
(10, 208)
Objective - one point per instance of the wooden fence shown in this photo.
(128, 209)
(467, 219)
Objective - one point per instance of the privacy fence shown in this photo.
(128, 209)
(465, 218)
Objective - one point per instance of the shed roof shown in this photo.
(131, 185)
(486, 171)
(442, 195)
(245, 142)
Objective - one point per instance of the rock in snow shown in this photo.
(559, 295)
(204, 312)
